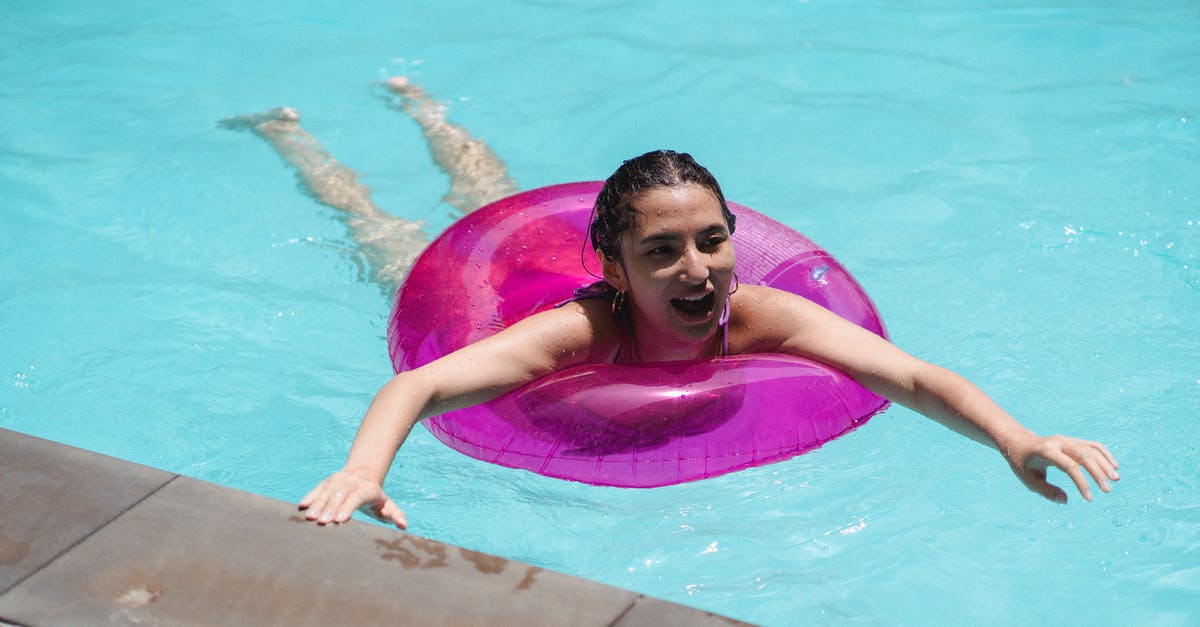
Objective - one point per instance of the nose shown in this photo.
(693, 268)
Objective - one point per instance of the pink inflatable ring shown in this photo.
(639, 425)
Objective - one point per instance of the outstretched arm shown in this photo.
(937, 393)
(958, 404)
(534, 347)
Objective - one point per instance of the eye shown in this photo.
(658, 251)
(712, 243)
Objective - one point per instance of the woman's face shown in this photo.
(676, 266)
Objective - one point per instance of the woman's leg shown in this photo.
(390, 244)
(477, 175)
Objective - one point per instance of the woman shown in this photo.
(662, 235)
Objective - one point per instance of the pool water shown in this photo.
(1018, 187)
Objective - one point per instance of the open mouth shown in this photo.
(695, 307)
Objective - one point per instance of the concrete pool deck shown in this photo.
(90, 539)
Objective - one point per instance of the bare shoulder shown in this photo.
(578, 332)
(764, 319)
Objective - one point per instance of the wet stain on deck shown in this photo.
(484, 563)
(420, 553)
(527, 581)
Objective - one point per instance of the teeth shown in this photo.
(694, 299)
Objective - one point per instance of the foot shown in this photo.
(401, 85)
(417, 103)
(252, 121)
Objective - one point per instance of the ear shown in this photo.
(613, 272)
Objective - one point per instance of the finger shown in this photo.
(349, 503)
(1096, 470)
(308, 499)
(393, 514)
(1103, 449)
(325, 505)
(1071, 467)
(1036, 481)
(316, 503)
(1105, 465)
(377, 508)
(314, 494)
(1100, 463)
(333, 509)
(1112, 461)
(317, 509)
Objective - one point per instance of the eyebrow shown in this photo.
(670, 236)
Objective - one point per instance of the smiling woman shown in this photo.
(622, 422)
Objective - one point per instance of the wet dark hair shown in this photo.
(613, 213)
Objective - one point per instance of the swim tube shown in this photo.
(641, 425)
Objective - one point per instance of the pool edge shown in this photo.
(85, 537)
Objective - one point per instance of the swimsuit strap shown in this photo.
(600, 289)
(723, 323)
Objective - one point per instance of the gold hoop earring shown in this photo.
(618, 302)
(736, 285)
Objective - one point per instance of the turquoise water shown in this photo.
(1018, 187)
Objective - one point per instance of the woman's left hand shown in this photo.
(1031, 457)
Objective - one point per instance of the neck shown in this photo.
(648, 351)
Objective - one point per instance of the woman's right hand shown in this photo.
(336, 498)
(532, 348)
